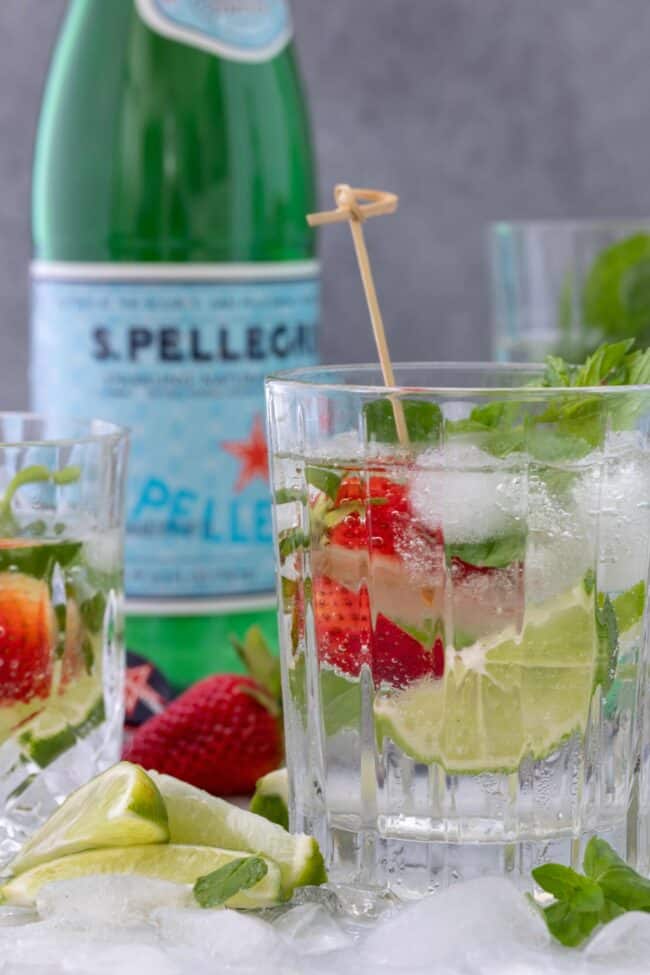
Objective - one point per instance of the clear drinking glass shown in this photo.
(562, 287)
(61, 640)
(463, 618)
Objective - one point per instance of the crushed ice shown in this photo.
(100, 925)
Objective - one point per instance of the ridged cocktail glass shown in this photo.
(462, 619)
(61, 639)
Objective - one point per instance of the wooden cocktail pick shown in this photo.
(355, 206)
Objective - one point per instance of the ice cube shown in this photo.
(612, 496)
(561, 542)
(469, 927)
(622, 945)
(471, 494)
(109, 900)
(311, 929)
(226, 936)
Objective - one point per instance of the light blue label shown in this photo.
(252, 30)
(182, 363)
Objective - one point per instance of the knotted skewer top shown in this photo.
(355, 206)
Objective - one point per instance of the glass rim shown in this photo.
(108, 431)
(299, 378)
(569, 223)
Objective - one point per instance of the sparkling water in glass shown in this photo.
(462, 618)
(61, 633)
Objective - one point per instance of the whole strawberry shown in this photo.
(223, 733)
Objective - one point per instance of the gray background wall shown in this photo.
(471, 109)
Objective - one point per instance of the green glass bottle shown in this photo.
(173, 270)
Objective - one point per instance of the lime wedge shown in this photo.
(520, 693)
(178, 864)
(64, 720)
(271, 798)
(121, 807)
(196, 817)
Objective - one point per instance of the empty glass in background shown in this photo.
(61, 631)
(563, 287)
(463, 620)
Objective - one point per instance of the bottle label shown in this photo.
(241, 30)
(178, 353)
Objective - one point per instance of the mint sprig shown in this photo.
(214, 889)
(566, 426)
(607, 888)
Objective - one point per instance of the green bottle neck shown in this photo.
(154, 150)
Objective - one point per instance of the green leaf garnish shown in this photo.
(286, 495)
(615, 299)
(423, 421)
(607, 633)
(618, 881)
(92, 612)
(323, 479)
(214, 889)
(493, 553)
(607, 889)
(290, 541)
(571, 423)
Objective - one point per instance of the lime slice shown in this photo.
(196, 817)
(121, 807)
(178, 864)
(64, 720)
(271, 799)
(517, 694)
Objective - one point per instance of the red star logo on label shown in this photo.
(252, 454)
(137, 688)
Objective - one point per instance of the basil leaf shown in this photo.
(215, 888)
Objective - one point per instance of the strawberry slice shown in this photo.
(399, 659)
(387, 514)
(27, 638)
(386, 525)
(346, 639)
(342, 623)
